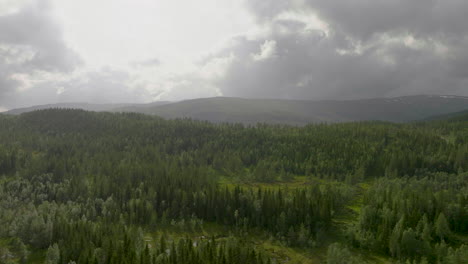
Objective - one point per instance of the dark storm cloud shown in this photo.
(370, 49)
(31, 41)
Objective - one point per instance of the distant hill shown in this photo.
(84, 106)
(140, 108)
(301, 112)
(456, 116)
(292, 112)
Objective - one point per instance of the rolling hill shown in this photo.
(84, 106)
(292, 112)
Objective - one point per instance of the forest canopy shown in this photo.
(87, 187)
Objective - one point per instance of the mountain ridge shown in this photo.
(283, 111)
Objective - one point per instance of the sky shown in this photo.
(137, 51)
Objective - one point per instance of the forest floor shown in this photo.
(350, 217)
(259, 240)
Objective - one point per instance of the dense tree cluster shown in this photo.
(353, 150)
(411, 218)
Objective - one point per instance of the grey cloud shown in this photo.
(189, 86)
(364, 18)
(421, 18)
(30, 42)
(34, 27)
(146, 63)
(32, 45)
(365, 53)
(42, 93)
(7, 85)
(267, 9)
(311, 66)
(105, 86)
(370, 49)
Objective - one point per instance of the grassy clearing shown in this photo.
(259, 240)
(37, 257)
(345, 219)
(295, 183)
(291, 255)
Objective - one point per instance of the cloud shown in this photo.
(104, 86)
(34, 32)
(421, 18)
(268, 9)
(267, 51)
(351, 49)
(7, 84)
(202, 82)
(31, 42)
(188, 86)
(296, 49)
(146, 63)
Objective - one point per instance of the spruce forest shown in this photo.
(100, 188)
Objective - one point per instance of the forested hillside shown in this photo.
(87, 187)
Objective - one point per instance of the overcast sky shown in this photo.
(110, 51)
